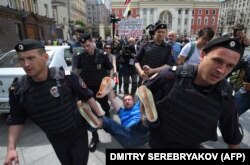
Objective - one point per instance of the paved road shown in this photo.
(34, 148)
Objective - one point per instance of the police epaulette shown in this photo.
(67, 72)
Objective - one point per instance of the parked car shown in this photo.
(10, 68)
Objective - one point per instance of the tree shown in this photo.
(78, 22)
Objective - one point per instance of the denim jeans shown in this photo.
(134, 136)
(242, 100)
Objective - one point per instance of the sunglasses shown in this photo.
(107, 48)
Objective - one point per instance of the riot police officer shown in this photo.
(192, 99)
(93, 65)
(154, 55)
(48, 96)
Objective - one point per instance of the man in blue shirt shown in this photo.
(134, 128)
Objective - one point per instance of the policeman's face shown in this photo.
(215, 65)
(160, 34)
(88, 46)
(128, 101)
(34, 62)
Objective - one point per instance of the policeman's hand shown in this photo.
(143, 75)
(11, 158)
(147, 70)
(246, 86)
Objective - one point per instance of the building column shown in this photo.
(148, 16)
(189, 23)
(175, 19)
(182, 20)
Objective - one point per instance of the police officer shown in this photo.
(93, 65)
(154, 55)
(191, 99)
(48, 96)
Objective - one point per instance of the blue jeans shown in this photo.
(242, 100)
(134, 136)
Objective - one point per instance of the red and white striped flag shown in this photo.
(127, 2)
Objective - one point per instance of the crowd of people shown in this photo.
(181, 88)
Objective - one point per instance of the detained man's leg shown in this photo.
(121, 134)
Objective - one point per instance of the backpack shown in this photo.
(191, 51)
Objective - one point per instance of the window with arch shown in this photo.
(206, 21)
(199, 21)
(213, 21)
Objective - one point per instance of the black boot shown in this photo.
(94, 141)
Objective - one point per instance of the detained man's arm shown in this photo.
(14, 132)
(113, 101)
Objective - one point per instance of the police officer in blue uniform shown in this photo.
(154, 55)
(192, 99)
(93, 65)
(48, 97)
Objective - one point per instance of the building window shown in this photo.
(18, 31)
(186, 11)
(193, 11)
(199, 21)
(214, 12)
(46, 9)
(151, 11)
(213, 21)
(207, 12)
(144, 11)
(179, 11)
(35, 6)
(206, 21)
(185, 21)
(200, 12)
(179, 21)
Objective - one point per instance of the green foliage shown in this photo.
(78, 22)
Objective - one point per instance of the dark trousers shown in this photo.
(71, 147)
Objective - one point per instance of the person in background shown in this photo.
(48, 96)
(75, 48)
(176, 46)
(129, 70)
(190, 53)
(154, 55)
(192, 99)
(242, 95)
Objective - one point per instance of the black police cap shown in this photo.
(28, 44)
(226, 42)
(84, 37)
(160, 26)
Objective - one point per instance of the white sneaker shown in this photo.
(147, 100)
(106, 86)
(87, 113)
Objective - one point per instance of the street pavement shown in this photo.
(34, 149)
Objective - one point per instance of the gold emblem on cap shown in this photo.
(20, 47)
(83, 40)
(232, 43)
(161, 26)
